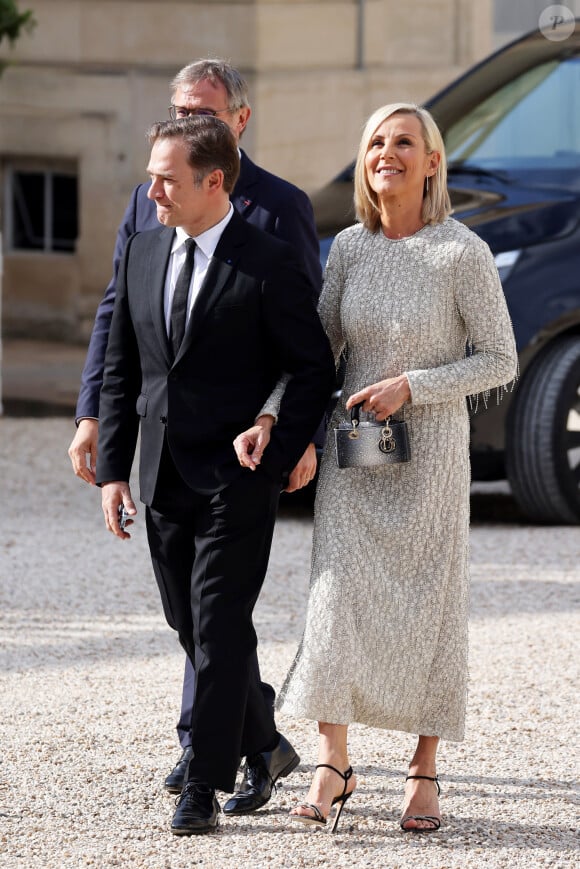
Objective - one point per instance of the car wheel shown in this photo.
(543, 436)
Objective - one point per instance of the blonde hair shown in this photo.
(436, 202)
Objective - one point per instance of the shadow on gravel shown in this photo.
(392, 780)
(496, 507)
(360, 826)
(536, 789)
(370, 813)
(502, 597)
(457, 830)
(70, 646)
(25, 407)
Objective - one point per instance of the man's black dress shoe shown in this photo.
(176, 778)
(197, 810)
(261, 772)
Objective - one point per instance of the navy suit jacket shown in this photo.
(253, 319)
(263, 199)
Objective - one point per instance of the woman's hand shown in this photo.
(383, 398)
(250, 444)
(304, 472)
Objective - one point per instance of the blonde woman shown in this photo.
(406, 290)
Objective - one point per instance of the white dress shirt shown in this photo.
(206, 244)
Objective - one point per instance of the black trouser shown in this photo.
(183, 726)
(210, 554)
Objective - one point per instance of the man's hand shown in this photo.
(250, 444)
(83, 445)
(304, 471)
(114, 495)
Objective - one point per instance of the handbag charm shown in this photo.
(387, 442)
(370, 444)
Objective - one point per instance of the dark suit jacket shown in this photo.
(254, 318)
(263, 199)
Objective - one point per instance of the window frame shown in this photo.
(48, 168)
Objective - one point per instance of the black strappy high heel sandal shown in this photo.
(433, 819)
(318, 818)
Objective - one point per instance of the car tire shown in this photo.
(543, 436)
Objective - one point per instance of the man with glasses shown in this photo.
(208, 87)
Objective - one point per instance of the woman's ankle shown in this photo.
(336, 756)
(428, 769)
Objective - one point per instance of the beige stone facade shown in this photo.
(82, 89)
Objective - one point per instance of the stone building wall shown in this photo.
(80, 91)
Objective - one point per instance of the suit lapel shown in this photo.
(155, 271)
(243, 195)
(220, 268)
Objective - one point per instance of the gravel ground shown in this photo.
(90, 681)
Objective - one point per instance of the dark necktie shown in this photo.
(180, 295)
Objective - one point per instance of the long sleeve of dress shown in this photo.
(274, 400)
(489, 335)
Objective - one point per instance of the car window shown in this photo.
(533, 121)
(325, 245)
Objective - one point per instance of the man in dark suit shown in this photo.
(192, 359)
(266, 201)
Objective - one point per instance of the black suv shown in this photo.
(512, 133)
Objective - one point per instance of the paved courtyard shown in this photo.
(90, 681)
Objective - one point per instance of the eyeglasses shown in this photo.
(176, 112)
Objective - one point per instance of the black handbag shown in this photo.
(371, 444)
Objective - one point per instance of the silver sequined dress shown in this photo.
(385, 641)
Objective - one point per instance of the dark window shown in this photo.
(42, 209)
